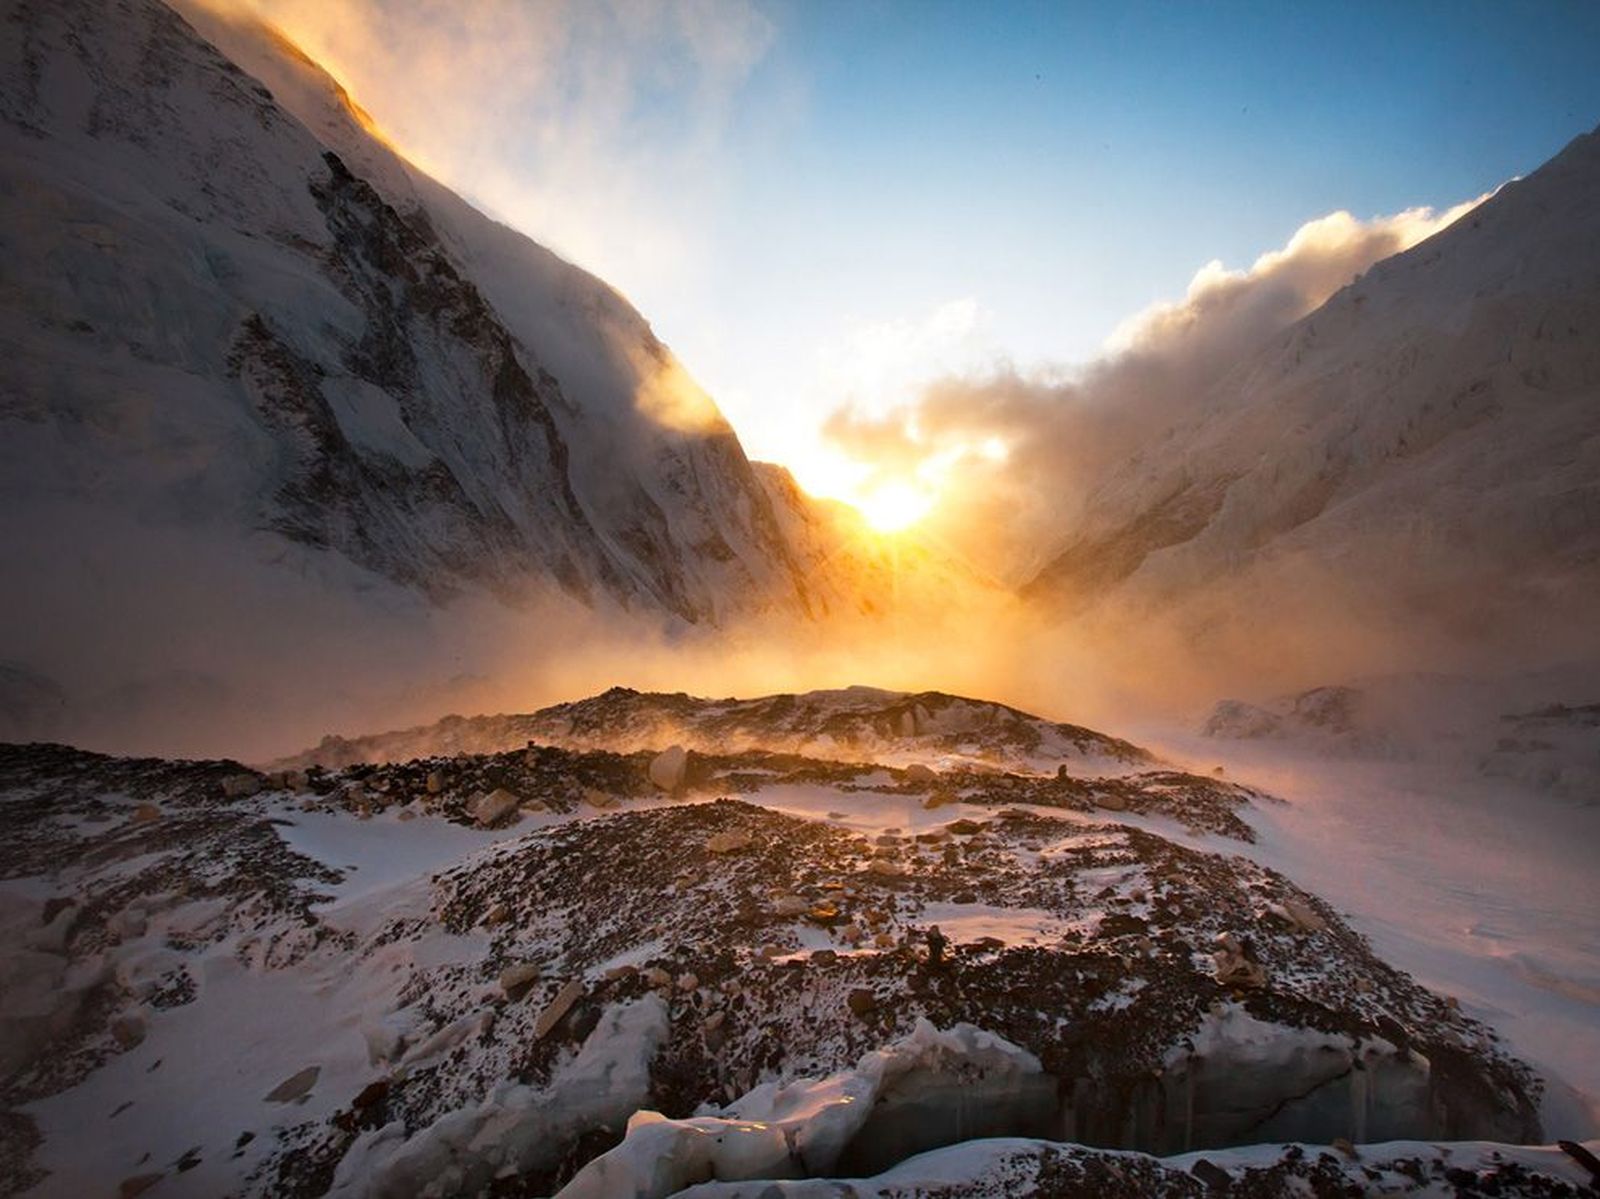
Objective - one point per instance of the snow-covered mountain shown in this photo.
(229, 303)
(339, 447)
(256, 363)
(1420, 457)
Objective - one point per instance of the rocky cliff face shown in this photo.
(327, 433)
(227, 305)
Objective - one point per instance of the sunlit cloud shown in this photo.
(1012, 454)
(895, 505)
(1281, 285)
(881, 364)
(875, 369)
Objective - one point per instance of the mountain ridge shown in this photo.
(314, 417)
(370, 369)
(1424, 446)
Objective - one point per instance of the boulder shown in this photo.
(602, 800)
(557, 1008)
(728, 841)
(827, 915)
(667, 769)
(1212, 1176)
(495, 807)
(145, 813)
(1234, 967)
(918, 773)
(861, 1001)
(1299, 915)
(237, 786)
(515, 980)
(435, 783)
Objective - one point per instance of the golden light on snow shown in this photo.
(669, 396)
(893, 506)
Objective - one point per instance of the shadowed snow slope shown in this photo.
(1409, 474)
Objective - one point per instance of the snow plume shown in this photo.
(1227, 313)
(577, 118)
(1019, 451)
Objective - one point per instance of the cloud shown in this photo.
(1226, 312)
(1062, 431)
(882, 363)
(572, 119)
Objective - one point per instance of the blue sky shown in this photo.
(818, 202)
(1065, 165)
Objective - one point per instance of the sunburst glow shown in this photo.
(891, 507)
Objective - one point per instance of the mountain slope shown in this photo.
(210, 315)
(855, 724)
(1420, 456)
(305, 413)
(659, 471)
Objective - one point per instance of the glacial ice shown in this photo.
(517, 1127)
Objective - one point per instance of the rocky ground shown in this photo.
(1003, 1168)
(853, 724)
(604, 972)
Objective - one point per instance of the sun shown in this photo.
(891, 507)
